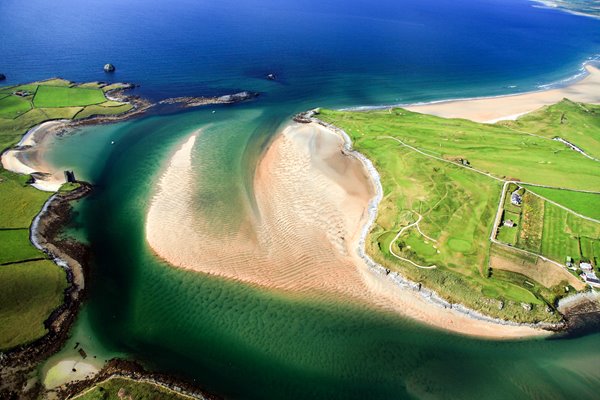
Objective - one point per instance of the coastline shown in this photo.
(71, 256)
(487, 110)
(510, 107)
(26, 158)
(307, 195)
(584, 87)
(419, 293)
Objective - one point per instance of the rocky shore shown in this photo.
(18, 378)
(189, 102)
(17, 366)
(132, 370)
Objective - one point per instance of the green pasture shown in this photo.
(13, 106)
(62, 96)
(20, 202)
(531, 223)
(507, 235)
(15, 246)
(29, 292)
(587, 204)
(102, 109)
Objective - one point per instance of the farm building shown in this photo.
(588, 274)
(516, 199)
(509, 223)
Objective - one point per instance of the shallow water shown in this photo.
(235, 339)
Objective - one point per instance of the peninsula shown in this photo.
(445, 227)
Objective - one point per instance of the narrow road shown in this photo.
(399, 234)
(500, 204)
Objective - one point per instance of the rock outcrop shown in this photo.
(2, 77)
(109, 68)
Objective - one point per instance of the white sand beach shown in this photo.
(27, 157)
(494, 109)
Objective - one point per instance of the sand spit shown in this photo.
(313, 202)
(494, 109)
(26, 157)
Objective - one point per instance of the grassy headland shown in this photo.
(31, 286)
(442, 182)
(125, 388)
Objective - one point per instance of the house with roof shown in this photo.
(516, 199)
(588, 274)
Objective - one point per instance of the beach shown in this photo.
(27, 157)
(494, 109)
(312, 209)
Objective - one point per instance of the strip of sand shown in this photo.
(26, 157)
(494, 109)
(313, 202)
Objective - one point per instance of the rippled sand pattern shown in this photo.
(301, 234)
(310, 200)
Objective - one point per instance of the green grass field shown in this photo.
(29, 292)
(124, 388)
(13, 106)
(491, 148)
(587, 204)
(458, 204)
(13, 246)
(575, 122)
(532, 221)
(59, 96)
(103, 109)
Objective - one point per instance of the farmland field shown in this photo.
(15, 246)
(587, 204)
(60, 96)
(532, 221)
(13, 106)
(30, 290)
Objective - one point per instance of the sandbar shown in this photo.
(302, 235)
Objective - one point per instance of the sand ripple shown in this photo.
(300, 235)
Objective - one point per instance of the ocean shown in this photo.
(238, 340)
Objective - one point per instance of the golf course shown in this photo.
(448, 218)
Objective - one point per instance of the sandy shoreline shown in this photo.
(510, 107)
(316, 201)
(27, 156)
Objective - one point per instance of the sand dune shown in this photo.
(311, 204)
(493, 109)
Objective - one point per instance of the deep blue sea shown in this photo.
(336, 52)
(240, 341)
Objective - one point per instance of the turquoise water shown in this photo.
(234, 339)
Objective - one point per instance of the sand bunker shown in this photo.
(303, 232)
(493, 109)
